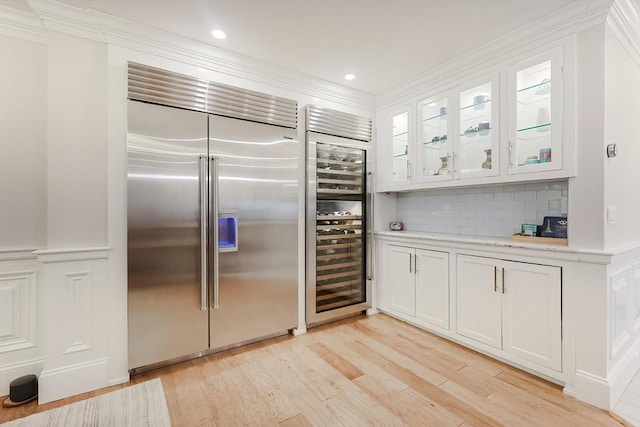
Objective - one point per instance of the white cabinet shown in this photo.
(458, 133)
(416, 284)
(511, 306)
(401, 280)
(398, 128)
(458, 136)
(535, 114)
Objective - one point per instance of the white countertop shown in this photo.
(487, 241)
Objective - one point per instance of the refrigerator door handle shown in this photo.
(203, 232)
(214, 209)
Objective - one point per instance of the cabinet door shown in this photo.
(532, 313)
(400, 280)
(433, 151)
(401, 147)
(432, 287)
(478, 300)
(535, 114)
(477, 148)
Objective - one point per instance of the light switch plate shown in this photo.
(611, 215)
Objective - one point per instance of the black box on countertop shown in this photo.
(554, 226)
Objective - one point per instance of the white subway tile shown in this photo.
(561, 185)
(536, 205)
(485, 197)
(548, 195)
(524, 195)
(501, 197)
(469, 231)
(555, 205)
(516, 205)
(536, 187)
(515, 188)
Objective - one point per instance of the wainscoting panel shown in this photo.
(18, 314)
(75, 322)
(621, 303)
(20, 347)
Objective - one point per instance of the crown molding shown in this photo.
(74, 21)
(21, 24)
(102, 27)
(624, 21)
(547, 31)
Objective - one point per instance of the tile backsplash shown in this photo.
(482, 211)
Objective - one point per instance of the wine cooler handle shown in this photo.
(203, 231)
(369, 195)
(214, 206)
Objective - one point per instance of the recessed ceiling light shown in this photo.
(219, 34)
(433, 104)
(349, 76)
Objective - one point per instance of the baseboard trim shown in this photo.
(117, 381)
(593, 390)
(624, 372)
(12, 371)
(56, 384)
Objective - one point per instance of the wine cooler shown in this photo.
(339, 215)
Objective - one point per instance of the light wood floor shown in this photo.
(362, 371)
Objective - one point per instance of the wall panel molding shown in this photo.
(17, 255)
(18, 310)
(69, 255)
(75, 321)
(620, 293)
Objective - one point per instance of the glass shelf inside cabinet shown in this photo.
(434, 149)
(534, 126)
(476, 129)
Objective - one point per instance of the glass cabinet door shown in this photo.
(400, 147)
(477, 152)
(536, 128)
(434, 147)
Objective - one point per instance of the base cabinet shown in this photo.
(417, 284)
(512, 306)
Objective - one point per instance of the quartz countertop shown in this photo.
(487, 241)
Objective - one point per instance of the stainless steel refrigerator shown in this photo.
(212, 232)
(339, 215)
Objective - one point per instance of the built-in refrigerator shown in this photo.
(339, 215)
(212, 217)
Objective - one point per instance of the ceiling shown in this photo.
(382, 42)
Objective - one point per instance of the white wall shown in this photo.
(622, 127)
(587, 189)
(76, 104)
(23, 166)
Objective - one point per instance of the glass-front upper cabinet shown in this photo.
(478, 148)
(434, 141)
(535, 127)
(401, 166)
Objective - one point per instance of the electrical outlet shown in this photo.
(611, 215)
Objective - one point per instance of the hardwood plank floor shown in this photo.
(362, 371)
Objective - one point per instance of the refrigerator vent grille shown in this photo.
(159, 86)
(337, 123)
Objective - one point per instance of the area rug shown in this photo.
(139, 405)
